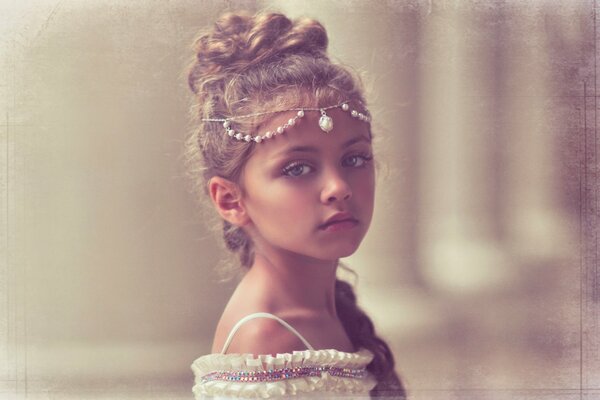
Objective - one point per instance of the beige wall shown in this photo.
(479, 266)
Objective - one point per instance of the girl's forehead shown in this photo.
(307, 132)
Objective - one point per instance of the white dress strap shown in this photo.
(262, 315)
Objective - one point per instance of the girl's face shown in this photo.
(295, 182)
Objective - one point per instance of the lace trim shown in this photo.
(243, 375)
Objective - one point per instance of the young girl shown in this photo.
(284, 144)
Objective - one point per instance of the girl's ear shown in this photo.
(226, 197)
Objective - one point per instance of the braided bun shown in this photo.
(238, 42)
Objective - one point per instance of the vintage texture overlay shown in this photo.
(481, 265)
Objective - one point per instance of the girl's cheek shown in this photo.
(297, 202)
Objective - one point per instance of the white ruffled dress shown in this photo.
(309, 373)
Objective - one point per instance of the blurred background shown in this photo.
(481, 265)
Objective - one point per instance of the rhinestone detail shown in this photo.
(274, 375)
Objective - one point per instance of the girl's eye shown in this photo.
(357, 160)
(300, 168)
(296, 169)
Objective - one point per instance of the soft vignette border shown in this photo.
(13, 189)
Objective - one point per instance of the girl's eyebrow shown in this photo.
(312, 149)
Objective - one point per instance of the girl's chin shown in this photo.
(330, 255)
(338, 253)
(323, 250)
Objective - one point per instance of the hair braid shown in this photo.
(361, 332)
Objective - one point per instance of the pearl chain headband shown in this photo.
(325, 122)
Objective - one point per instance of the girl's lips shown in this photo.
(338, 217)
(340, 225)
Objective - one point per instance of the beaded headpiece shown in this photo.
(325, 121)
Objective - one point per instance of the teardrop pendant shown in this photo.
(325, 122)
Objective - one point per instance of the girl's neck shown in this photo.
(296, 283)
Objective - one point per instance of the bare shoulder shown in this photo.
(264, 336)
(260, 335)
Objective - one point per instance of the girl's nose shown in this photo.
(336, 188)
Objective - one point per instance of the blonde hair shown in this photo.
(247, 64)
